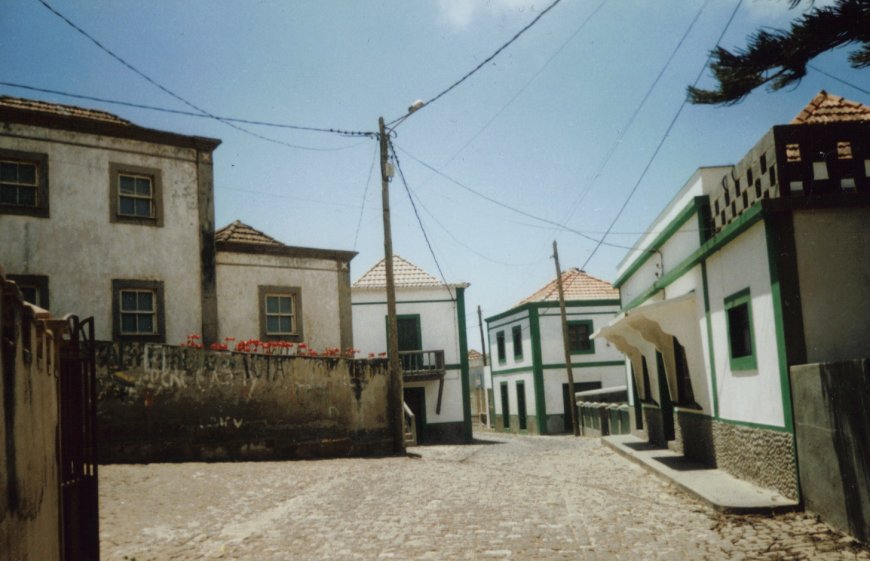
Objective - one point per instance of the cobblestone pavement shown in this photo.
(521, 498)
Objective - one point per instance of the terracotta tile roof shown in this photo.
(828, 108)
(60, 110)
(239, 232)
(474, 355)
(405, 274)
(577, 286)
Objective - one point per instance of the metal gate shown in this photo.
(80, 529)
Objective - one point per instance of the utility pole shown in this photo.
(566, 343)
(396, 392)
(483, 347)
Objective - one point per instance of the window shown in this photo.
(280, 313)
(685, 393)
(34, 289)
(137, 310)
(499, 343)
(505, 407)
(578, 337)
(741, 347)
(136, 195)
(517, 335)
(521, 406)
(23, 183)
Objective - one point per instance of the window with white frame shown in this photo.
(23, 183)
(137, 310)
(280, 313)
(136, 195)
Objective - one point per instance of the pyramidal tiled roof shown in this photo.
(405, 274)
(474, 354)
(577, 286)
(239, 232)
(60, 110)
(828, 108)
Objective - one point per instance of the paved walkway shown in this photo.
(521, 498)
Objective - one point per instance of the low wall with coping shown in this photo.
(159, 403)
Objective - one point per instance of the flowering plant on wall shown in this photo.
(281, 348)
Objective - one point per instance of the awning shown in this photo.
(656, 325)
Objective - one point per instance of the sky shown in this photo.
(560, 125)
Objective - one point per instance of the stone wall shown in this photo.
(167, 403)
(29, 470)
(761, 456)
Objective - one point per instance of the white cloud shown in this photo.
(460, 13)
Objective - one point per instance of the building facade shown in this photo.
(529, 373)
(750, 270)
(433, 349)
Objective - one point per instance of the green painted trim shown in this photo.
(746, 424)
(528, 306)
(711, 352)
(507, 323)
(518, 370)
(555, 366)
(673, 226)
(453, 366)
(714, 244)
(538, 371)
(500, 347)
(748, 362)
(580, 314)
(463, 365)
(773, 250)
(419, 329)
(401, 302)
(591, 349)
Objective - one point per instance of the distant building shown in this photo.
(432, 345)
(529, 374)
(751, 269)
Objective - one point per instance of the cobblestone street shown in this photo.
(522, 498)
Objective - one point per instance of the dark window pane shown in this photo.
(127, 184)
(143, 186)
(27, 196)
(146, 323)
(499, 338)
(128, 300)
(27, 174)
(8, 195)
(286, 305)
(272, 324)
(739, 331)
(272, 305)
(146, 302)
(128, 323)
(143, 207)
(9, 172)
(578, 337)
(128, 206)
(30, 294)
(285, 324)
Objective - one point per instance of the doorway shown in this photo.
(415, 398)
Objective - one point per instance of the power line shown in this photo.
(831, 76)
(281, 196)
(573, 208)
(191, 113)
(162, 87)
(513, 209)
(365, 194)
(396, 122)
(419, 220)
(661, 142)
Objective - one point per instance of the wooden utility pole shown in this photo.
(396, 392)
(483, 350)
(566, 343)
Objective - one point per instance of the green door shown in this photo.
(521, 406)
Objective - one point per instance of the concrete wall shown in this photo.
(81, 250)
(165, 403)
(29, 470)
(320, 281)
(834, 276)
(832, 427)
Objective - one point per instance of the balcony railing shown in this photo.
(422, 365)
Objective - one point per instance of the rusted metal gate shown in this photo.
(80, 529)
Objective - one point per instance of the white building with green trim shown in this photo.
(751, 269)
(529, 375)
(432, 345)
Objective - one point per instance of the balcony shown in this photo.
(418, 366)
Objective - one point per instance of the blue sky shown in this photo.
(530, 129)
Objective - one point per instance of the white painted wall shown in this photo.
(240, 274)
(506, 325)
(552, 348)
(512, 379)
(81, 251)
(753, 396)
(832, 257)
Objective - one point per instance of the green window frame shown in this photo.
(579, 342)
(517, 338)
(741, 334)
(500, 347)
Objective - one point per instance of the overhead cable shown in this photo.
(397, 122)
(660, 144)
(832, 77)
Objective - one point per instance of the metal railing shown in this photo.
(422, 365)
(410, 426)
